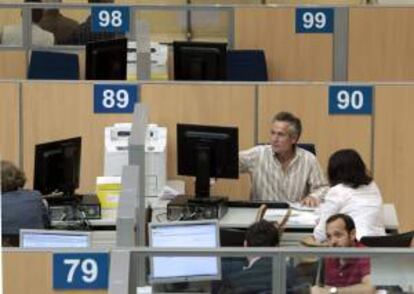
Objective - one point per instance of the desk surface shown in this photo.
(243, 217)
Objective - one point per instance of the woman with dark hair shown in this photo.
(353, 192)
(21, 209)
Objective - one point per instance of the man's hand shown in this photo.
(310, 201)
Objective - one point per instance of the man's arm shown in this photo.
(318, 186)
(248, 159)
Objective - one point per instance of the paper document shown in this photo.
(299, 206)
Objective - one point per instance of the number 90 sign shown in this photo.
(314, 20)
(115, 98)
(350, 99)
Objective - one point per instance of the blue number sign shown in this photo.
(110, 19)
(350, 99)
(114, 98)
(80, 270)
(314, 20)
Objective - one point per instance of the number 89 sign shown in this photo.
(115, 98)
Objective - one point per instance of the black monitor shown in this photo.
(57, 166)
(106, 60)
(200, 61)
(207, 152)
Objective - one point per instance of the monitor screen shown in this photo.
(106, 60)
(194, 234)
(54, 239)
(200, 61)
(207, 152)
(57, 166)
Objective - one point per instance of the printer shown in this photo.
(116, 154)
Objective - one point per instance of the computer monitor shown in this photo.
(207, 152)
(54, 239)
(185, 234)
(106, 59)
(57, 166)
(200, 61)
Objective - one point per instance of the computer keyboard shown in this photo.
(254, 204)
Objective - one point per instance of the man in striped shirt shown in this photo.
(282, 171)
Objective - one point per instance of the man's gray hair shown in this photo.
(295, 125)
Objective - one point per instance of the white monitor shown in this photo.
(54, 239)
(190, 234)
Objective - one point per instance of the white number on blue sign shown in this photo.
(89, 269)
(120, 98)
(311, 20)
(355, 100)
(113, 18)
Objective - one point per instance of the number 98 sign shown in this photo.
(350, 99)
(80, 270)
(115, 98)
(110, 19)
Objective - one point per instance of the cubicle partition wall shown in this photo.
(393, 148)
(58, 110)
(289, 56)
(32, 272)
(381, 43)
(9, 121)
(310, 102)
(211, 104)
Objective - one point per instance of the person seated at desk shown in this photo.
(21, 209)
(281, 171)
(353, 192)
(83, 33)
(255, 274)
(344, 275)
(13, 34)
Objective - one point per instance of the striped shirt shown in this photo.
(303, 176)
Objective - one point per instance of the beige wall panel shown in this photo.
(310, 103)
(12, 64)
(381, 44)
(289, 56)
(228, 105)
(316, 2)
(63, 110)
(31, 272)
(9, 16)
(9, 122)
(394, 145)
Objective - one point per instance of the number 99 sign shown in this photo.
(314, 20)
(115, 98)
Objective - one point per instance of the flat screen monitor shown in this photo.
(200, 61)
(106, 60)
(207, 152)
(185, 234)
(54, 239)
(57, 166)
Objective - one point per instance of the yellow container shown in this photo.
(108, 190)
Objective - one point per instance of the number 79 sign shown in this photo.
(80, 270)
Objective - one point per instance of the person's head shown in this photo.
(12, 178)
(284, 132)
(340, 230)
(346, 167)
(262, 234)
(37, 13)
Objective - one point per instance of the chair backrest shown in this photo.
(308, 147)
(246, 65)
(279, 226)
(53, 66)
(398, 240)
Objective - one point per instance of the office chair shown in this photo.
(398, 240)
(53, 66)
(246, 65)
